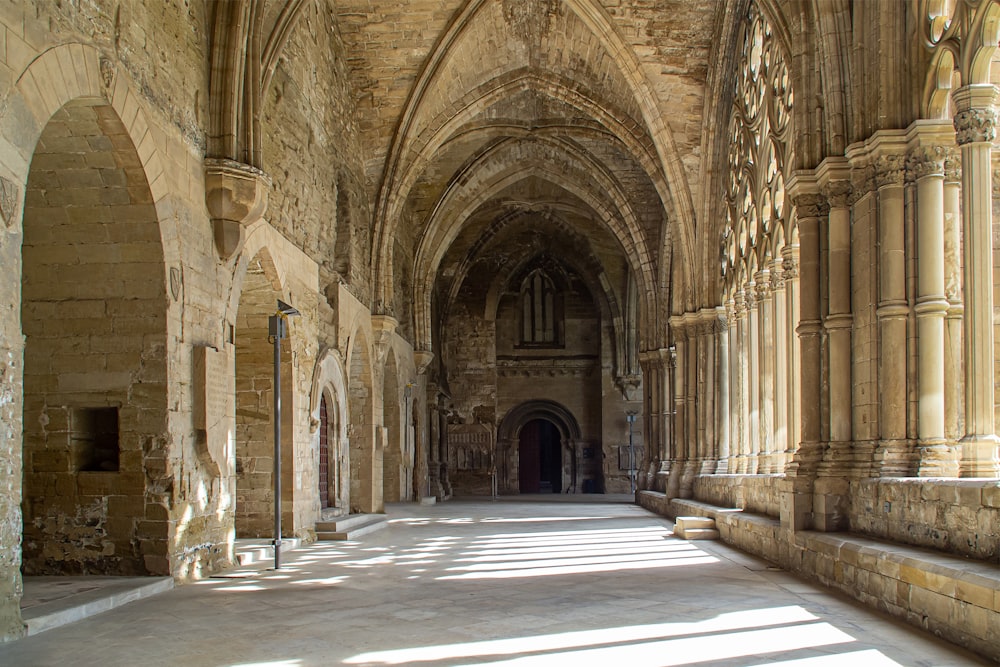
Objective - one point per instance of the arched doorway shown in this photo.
(324, 455)
(93, 313)
(540, 441)
(540, 458)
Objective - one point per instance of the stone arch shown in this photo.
(598, 21)
(329, 383)
(365, 450)
(94, 316)
(260, 288)
(508, 433)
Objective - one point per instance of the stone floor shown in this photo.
(509, 583)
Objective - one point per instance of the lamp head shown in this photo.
(285, 310)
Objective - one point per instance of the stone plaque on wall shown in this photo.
(214, 407)
(470, 447)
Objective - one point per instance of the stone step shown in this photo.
(88, 599)
(695, 528)
(249, 551)
(699, 534)
(350, 527)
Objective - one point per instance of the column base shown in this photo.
(894, 458)
(937, 458)
(830, 504)
(980, 456)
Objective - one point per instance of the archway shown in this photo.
(255, 404)
(543, 429)
(93, 313)
(326, 474)
(540, 458)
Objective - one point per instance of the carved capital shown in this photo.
(837, 193)
(236, 196)
(811, 205)
(889, 170)
(422, 359)
(383, 326)
(790, 268)
(926, 161)
(975, 126)
(952, 166)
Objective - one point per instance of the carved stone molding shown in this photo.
(926, 161)
(889, 170)
(837, 193)
(383, 326)
(236, 196)
(422, 359)
(10, 197)
(975, 126)
(952, 166)
(811, 205)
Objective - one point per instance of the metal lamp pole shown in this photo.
(277, 329)
(631, 451)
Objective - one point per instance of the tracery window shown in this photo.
(759, 257)
(541, 312)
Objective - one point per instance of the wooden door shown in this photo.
(529, 468)
(324, 455)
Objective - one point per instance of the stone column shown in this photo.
(725, 405)
(790, 271)
(709, 392)
(678, 456)
(975, 131)
(765, 354)
(839, 320)
(797, 509)
(652, 377)
(751, 351)
(782, 341)
(954, 403)
(927, 167)
(690, 405)
(739, 362)
(892, 313)
(667, 406)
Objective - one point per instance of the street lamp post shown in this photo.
(277, 329)
(630, 415)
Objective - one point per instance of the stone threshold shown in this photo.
(57, 601)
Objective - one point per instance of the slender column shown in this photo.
(740, 363)
(790, 266)
(678, 456)
(691, 406)
(811, 207)
(725, 405)
(975, 131)
(954, 403)
(753, 379)
(709, 393)
(927, 166)
(667, 408)
(839, 321)
(892, 313)
(765, 355)
(780, 358)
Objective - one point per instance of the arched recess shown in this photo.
(254, 448)
(508, 440)
(329, 387)
(365, 456)
(394, 474)
(94, 315)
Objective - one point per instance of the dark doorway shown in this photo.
(540, 458)
(324, 455)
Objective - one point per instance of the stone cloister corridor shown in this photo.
(514, 583)
(270, 267)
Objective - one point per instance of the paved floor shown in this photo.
(507, 583)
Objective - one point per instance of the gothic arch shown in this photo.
(509, 431)
(329, 381)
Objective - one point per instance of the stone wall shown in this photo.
(951, 515)
(759, 494)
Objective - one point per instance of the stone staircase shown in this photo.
(349, 527)
(695, 528)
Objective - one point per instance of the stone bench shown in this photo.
(953, 597)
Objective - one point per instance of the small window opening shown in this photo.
(94, 439)
(541, 312)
